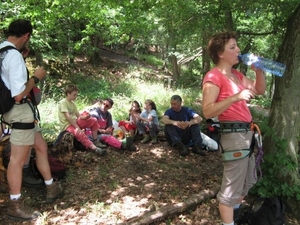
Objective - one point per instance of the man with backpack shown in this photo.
(25, 131)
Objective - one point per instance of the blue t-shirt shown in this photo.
(185, 114)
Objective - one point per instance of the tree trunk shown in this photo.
(175, 68)
(284, 115)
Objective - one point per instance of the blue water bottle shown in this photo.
(264, 64)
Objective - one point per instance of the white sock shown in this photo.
(48, 182)
(15, 197)
(229, 223)
(236, 206)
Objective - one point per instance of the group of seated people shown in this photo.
(94, 126)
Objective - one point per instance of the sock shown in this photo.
(48, 182)
(228, 223)
(236, 206)
(15, 197)
(26, 166)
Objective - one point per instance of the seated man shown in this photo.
(182, 127)
(100, 111)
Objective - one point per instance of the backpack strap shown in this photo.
(16, 125)
(7, 48)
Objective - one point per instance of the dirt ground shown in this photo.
(122, 185)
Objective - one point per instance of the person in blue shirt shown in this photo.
(182, 127)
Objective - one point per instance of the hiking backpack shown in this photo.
(57, 168)
(272, 212)
(6, 101)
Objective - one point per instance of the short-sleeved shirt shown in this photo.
(238, 111)
(104, 118)
(185, 114)
(14, 72)
(69, 107)
(152, 113)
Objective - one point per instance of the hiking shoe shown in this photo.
(197, 149)
(182, 149)
(54, 191)
(18, 211)
(127, 144)
(154, 140)
(145, 139)
(99, 144)
(100, 151)
(29, 178)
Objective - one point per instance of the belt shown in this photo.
(23, 100)
(229, 127)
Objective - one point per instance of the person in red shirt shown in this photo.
(226, 92)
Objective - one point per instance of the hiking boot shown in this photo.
(29, 179)
(54, 191)
(99, 144)
(145, 139)
(197, 149)
(182, 149)
(100, 151)
(154, 140)
(17, 210)
(127, 144)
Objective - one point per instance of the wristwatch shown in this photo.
(36, 80)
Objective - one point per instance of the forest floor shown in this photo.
(123, 185)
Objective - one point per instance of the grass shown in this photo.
(123, 92)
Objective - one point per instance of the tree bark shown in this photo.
(175, 68)
(171, 210)
(284, 115)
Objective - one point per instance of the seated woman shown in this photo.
(147, 123)
(129, 126)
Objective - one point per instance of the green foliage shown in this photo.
(276, 167)
(123, 92)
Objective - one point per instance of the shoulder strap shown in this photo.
(7, 48)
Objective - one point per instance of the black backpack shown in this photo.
(271, 212)
(6, 101)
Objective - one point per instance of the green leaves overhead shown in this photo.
(180, 25)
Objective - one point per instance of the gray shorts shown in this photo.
(238, 175)
(21, 113)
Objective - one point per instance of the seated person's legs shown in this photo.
(174, 139)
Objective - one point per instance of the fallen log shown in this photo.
(172, 210)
